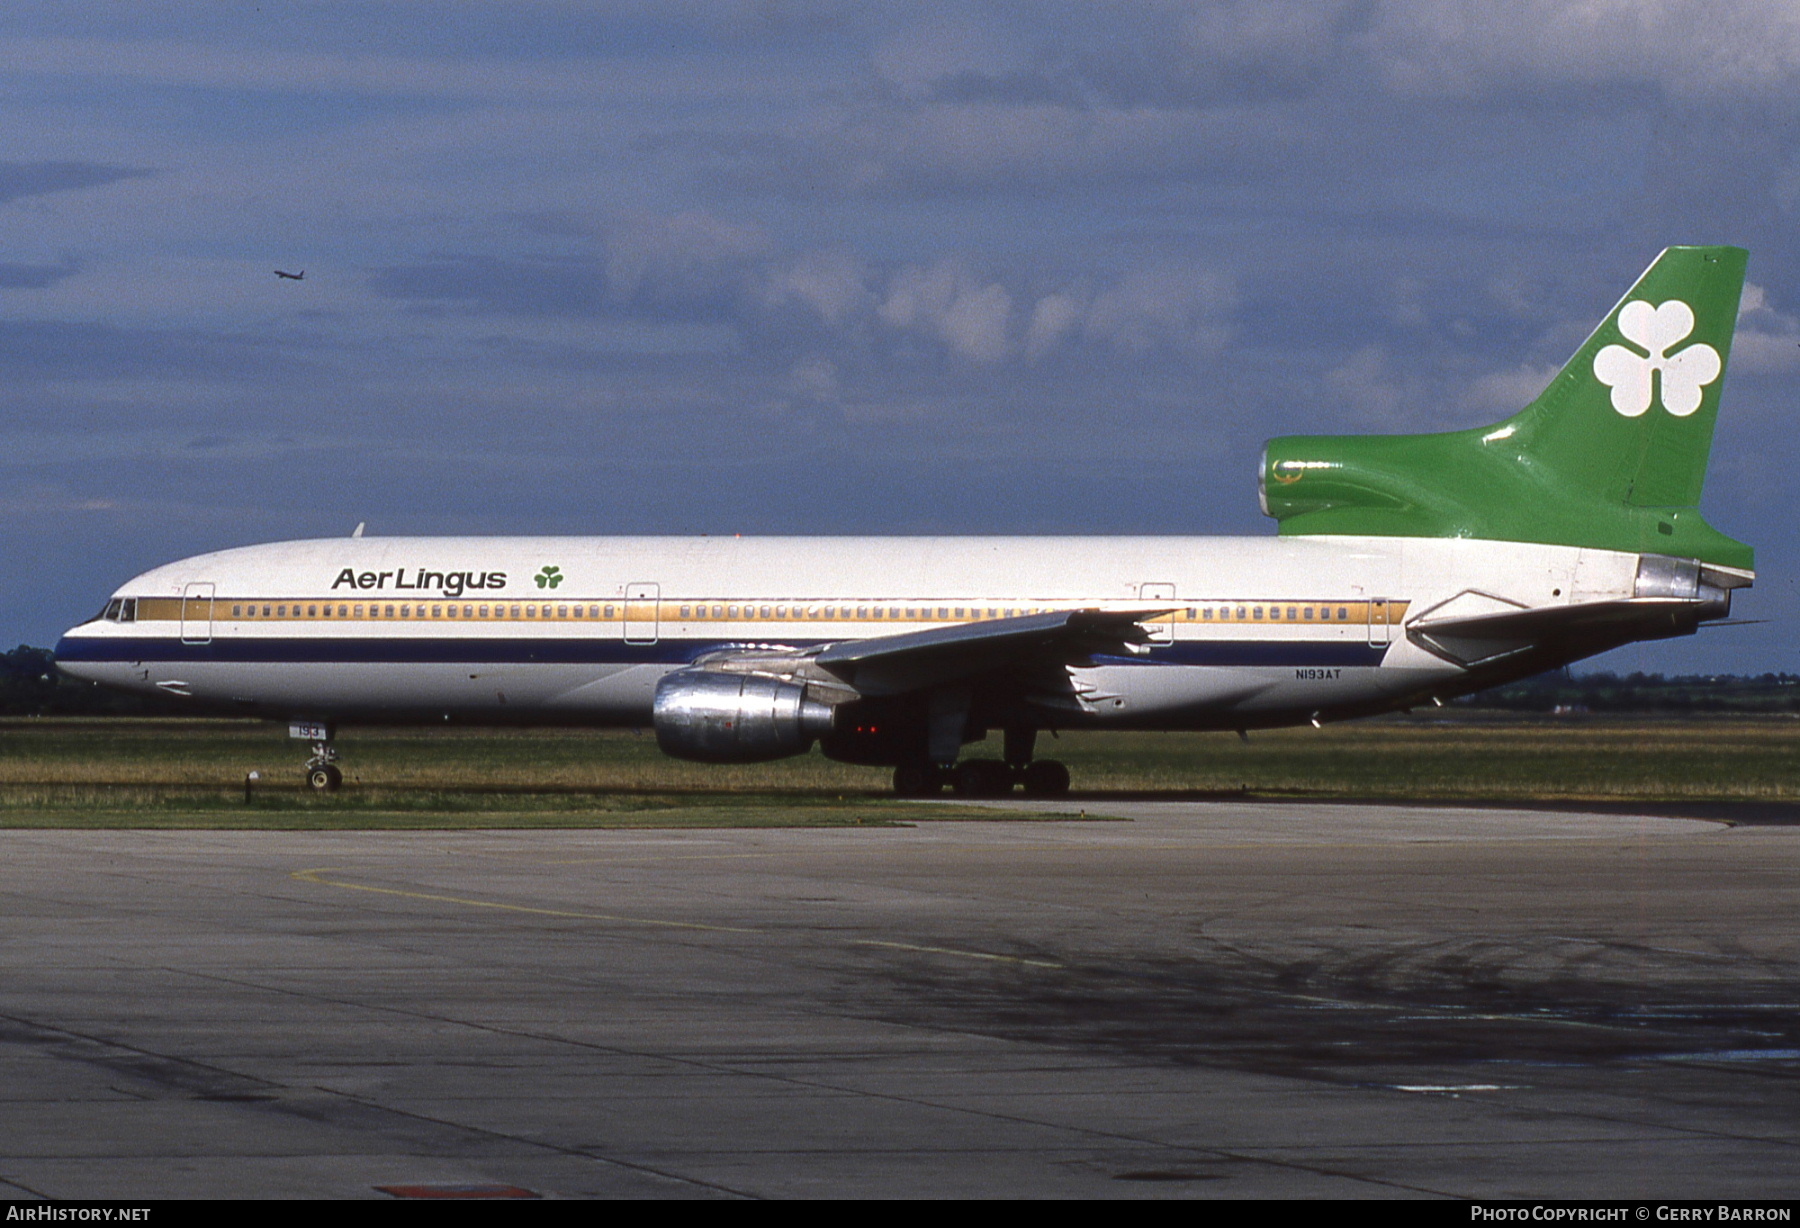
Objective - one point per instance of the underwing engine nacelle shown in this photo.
(713, 716)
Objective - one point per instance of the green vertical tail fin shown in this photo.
(1612, 454)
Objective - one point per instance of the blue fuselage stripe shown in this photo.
(312, 650)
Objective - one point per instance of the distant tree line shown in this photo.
(30, 686)
(1560, 690)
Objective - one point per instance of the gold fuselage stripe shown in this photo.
(719, 610)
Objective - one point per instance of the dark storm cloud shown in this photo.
(532, 287)
(36, 276)
(547, 286)
(688, 266)
(46, 350)
(1395, 106)
(22, 179)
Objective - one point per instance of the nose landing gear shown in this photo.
(322, 772)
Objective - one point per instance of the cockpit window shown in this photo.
(111, 612)
(128, 611)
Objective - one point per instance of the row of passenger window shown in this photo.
(420, 609)
(863, 612)
(1223, 613)
(731, 612)
(1295, 614)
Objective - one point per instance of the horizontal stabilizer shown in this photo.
(1481, 638)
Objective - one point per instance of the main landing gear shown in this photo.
(988, 777)
(982, 778)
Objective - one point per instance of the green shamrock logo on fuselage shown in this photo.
(550, 577)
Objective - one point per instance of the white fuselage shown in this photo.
(569, 629)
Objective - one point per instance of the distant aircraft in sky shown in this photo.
(1408, 569)
(300, 276)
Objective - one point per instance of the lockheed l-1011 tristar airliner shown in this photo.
(1407, 569)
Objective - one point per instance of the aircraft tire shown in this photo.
(325, 779)
(917, 780)
(1045, 778)
(982, 778)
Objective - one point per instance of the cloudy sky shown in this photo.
(862, 268)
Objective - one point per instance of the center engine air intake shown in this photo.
(715, 717)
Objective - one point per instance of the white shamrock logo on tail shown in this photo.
(1628, 373)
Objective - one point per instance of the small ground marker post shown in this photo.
(249, 781)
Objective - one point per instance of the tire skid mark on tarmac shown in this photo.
(1336, 1015)
(317, 876)
(160, 1075)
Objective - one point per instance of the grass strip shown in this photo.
(102, 772)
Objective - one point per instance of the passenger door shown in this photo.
(642, 623)
(196, 613)
(1163, 630)
(1381, 624)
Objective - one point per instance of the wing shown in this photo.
(897, 664)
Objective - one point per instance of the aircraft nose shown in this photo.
(69, 658)
(59, 655)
